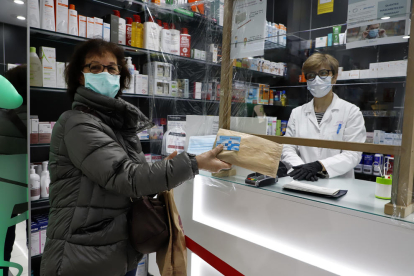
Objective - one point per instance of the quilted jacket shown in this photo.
(96, 164)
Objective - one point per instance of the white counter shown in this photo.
(270, 231)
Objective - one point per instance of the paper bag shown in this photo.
(255, 153)
(172, 258)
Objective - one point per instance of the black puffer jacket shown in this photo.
(96, 164)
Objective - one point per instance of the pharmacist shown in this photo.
(326, 117)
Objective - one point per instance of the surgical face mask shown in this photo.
(373, 33)
(103, 83)
(320, 88)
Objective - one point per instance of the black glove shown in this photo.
(307, 171)
(282, 170)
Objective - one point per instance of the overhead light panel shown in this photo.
(20, 2)
(406, 37)
(21, 17)
(385, 17)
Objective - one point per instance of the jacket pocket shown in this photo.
(99, 226)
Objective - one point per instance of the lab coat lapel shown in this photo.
(328, 113)
(310, 113)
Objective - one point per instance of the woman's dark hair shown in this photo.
(98, 47)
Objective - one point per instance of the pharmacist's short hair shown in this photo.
(317, 60)
(99, 47)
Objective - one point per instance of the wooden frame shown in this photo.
(401, 204)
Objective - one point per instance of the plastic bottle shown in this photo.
(128, 30)
(185, 43)
(138, 32)
(34, 185)
(44, 181)
(73, 21)
(283, 98)
(175, 41)
(151, 35)
(131, 69)
(166, 39)
(160, 28)
(36, 78)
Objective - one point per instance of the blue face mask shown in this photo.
(103, 83)
(373, 33)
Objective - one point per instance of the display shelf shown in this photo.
(256, 74)
(39, 145)
(73, 40)
(390, 80)
(42, 203)
(360, 196)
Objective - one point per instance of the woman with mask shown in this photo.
(96, 165)
(326, 117)
(373, 31)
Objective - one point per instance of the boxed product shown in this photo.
(364, 74)
(62, 16)
(354, 74)
(239, 92)
(155, 158)
(263, 94)
(90, 27)
(143, 135)
(42, 223)
(266, 68)
(34, 129)
(253, 64)
(383, 69)
(82, 25)
(321, 42)
(106, 32)
(373, 70)
(159, 70)
(252, 94)
(35, 239)
(156, 133)
(195, 54)
(203, 55)
(174, 89)
(141, 84)
(213, 51)
(183, 88)
(159, 87)
(197, 86)
(60, 75)
(98, 27)
(45, 133)
(148, 158)
(48, 58)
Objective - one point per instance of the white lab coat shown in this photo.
(303, 124)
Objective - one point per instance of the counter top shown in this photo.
(360, 196)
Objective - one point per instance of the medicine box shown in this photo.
(158, 70)
(354, 74)
(143, 135)
(214, 51)
(106, 32)
(174, 89)
(34, 130)
(183, 88)
(159, 87)
(253, 64)
(252, 94)
(148, 158)
(203, 55)
(141, 84)
(364, 74)
(45, 133)
(373, 70)
(48, 58)
(98, 27)
(82, 25)
(197, 86)
(195, 54)
(263, 94)
(60, 75)
(90, 27)
(321, 42)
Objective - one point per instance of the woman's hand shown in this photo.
(208, 161)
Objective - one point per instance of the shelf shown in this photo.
(42, 203)
(73, 40)
(257, 74)
(39, 145)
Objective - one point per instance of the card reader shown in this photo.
(260, 180)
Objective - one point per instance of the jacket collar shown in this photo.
(335, 105)
(116, 113)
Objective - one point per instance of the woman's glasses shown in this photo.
(97, 68)
(323, 74)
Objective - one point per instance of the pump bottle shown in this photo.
(128, 31)
(166, 39)
(44, 181)
(137, 32)
(131, 70)
(185, 43)
(36, 78)
(151, 35)
(34, 185)
(73, 21)
(175, 41)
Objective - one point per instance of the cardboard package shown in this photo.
(255, 153)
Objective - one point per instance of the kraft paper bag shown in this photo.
(172, 258)
(255, 153)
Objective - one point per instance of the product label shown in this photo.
(175, 142)
(229, 142)
(185, 46)
(128, 34)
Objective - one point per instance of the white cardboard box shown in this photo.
(214, 51)
(62, 16)
(90, 27)
(98, 27)
(321, 42)
(106, 32)
(197, 86)
(354, 74)
(141, 84)
(364, 74)
(373, 70)
(383, 69)
(48, 58)
(159, 87)
(82, 25)
(345, 75)
(60, 75)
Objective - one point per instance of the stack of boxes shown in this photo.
(159, 80)
(388, 69)
(40, 132)
(38, 234)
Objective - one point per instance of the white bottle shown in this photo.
(166, 39)
(34, 185)
(36, 78)
(269, 31)
(275, 31)
(131, 70)
(151, 35)
(47, 15)
(175, 41)
(34, 13)
(73, 21)
(44, 181)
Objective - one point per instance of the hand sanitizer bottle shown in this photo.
(34, 185)
(44, 181)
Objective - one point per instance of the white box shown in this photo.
(82, 25)
(196, 54)
(62, 16)
(34, 13)
(60, 75)
(183, 88)
(98, 27)
(148, 157)
(197, 86)
(383, 69)
(174, 89)
(34, 125)
(214, 51)
(159, 87)
(47, 15)
(354, 74)
(345, 75)
(90, 27)
(143, 135)
(373, 70)
(159, 70)
(377, 136)
(266, 67)
(35, 240)
(141, 84)
(340, 69)
(48, 58)
(389, 139)
(203, 55)
(253, 63)
(402, 68)
(364, 74)
(321, 42)
(106, 32)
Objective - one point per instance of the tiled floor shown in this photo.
(19, 253)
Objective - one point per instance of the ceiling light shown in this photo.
(20, 2)
(385, 17)
(406, 37)
(21, 17)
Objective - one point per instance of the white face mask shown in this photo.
(320, 88)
